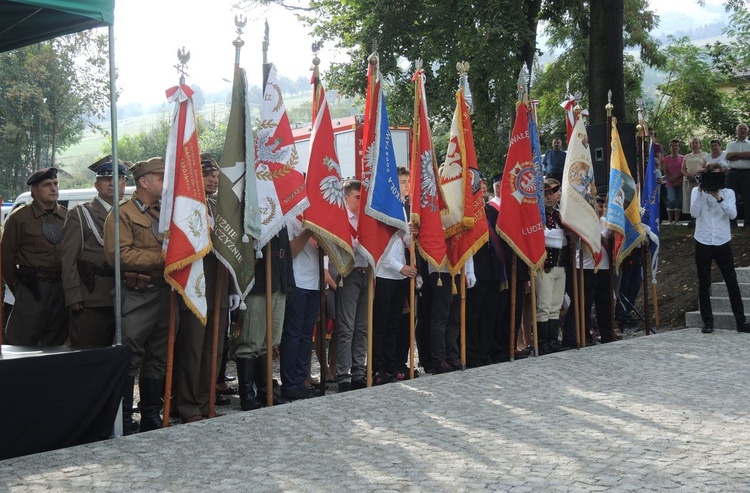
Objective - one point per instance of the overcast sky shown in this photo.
(149, 32)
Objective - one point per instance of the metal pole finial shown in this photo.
(316, 46)
(240, 22)
(184, 57)
(609, 107)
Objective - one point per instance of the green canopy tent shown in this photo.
(25, 22)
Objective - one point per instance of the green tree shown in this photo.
(49, 92)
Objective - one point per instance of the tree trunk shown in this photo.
(606, 60)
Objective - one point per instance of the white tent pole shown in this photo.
(118, 431)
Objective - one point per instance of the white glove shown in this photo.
(418, 282)
(471, 280)
(234, 302)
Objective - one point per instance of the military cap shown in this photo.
(153, 165)
(551, 184)
(208, 163)
(40, 175)
(103, 167)
(496, 178)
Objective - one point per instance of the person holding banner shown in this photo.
(145, 297)
(194, 340)
(550, 281)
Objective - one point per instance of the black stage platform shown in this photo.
(57, 397)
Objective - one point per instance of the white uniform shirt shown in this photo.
(739, 146)
(305, 264)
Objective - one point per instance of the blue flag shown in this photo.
(536, 158)
(650, 207)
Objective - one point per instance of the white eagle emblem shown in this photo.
(331, 187)
(428, 186)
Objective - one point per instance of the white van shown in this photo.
(66, 198)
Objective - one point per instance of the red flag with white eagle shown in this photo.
(570, 118)
(425, 192)
(184, 215)
(519, 221)
(278, 171)
(327, 217)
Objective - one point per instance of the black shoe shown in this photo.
(708, 328)
(441, 366)
(743, 327)
(344, 387)
(456, 364)
(296, 393)
(359, 383)
(555, 346)
(222, 400)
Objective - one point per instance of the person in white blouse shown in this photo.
(713, 206)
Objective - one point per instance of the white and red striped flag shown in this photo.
(570, 118)
(184, 216)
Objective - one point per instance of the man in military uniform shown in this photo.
(195, 340)
(87, 278)
(145, 294)
(31, 251)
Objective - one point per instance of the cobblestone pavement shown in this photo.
(668, 412)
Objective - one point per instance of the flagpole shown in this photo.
(533, 314)
(645, 252)
(215, 341)
(462, 277)
(269, 294)
(370, 310)
(320, 341)
(513, 290)
(582, 295)
(610, 244)
(415, 219)
(574, 301)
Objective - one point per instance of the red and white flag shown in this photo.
(278, 171)
(570, 119)
(519, 221)
(184, 215)
(465, 223)
(425, 192)
(327, 217)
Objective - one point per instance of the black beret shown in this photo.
(41, 175)
(497, 177)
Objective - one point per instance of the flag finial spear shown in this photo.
(184, 57)
(239, 23)
(463, 76)
(609, 107)
(316, 61)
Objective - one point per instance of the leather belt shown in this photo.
(278, 253)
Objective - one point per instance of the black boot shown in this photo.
(152, 392)
(246, 384)
(553, 333)
(542, 337)
(128, 425)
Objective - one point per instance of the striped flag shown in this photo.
(184, 215)
(570, 118)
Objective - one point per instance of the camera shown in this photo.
(711, 181)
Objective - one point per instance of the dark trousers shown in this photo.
(445, 318)
(597, 291)
(390, 295)
(722, 255)
(481, 321)
(630, 284)
(300, 315)
(739, 181)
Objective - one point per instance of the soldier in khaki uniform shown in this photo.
(194, 340)
(31, 251)
(87, 278)
(145, 294)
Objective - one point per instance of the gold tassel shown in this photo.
(440, 280)
(455, 288)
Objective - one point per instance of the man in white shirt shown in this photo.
(738, 179)
(713, 207)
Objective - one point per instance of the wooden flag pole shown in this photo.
(170, 357)
(513, 289)
(320, 341)
(215, 340)
(370, 309)
(462, 327)
(412, 311)
(269, 329)
(582, 299)
(533, 314)
(574, 301)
